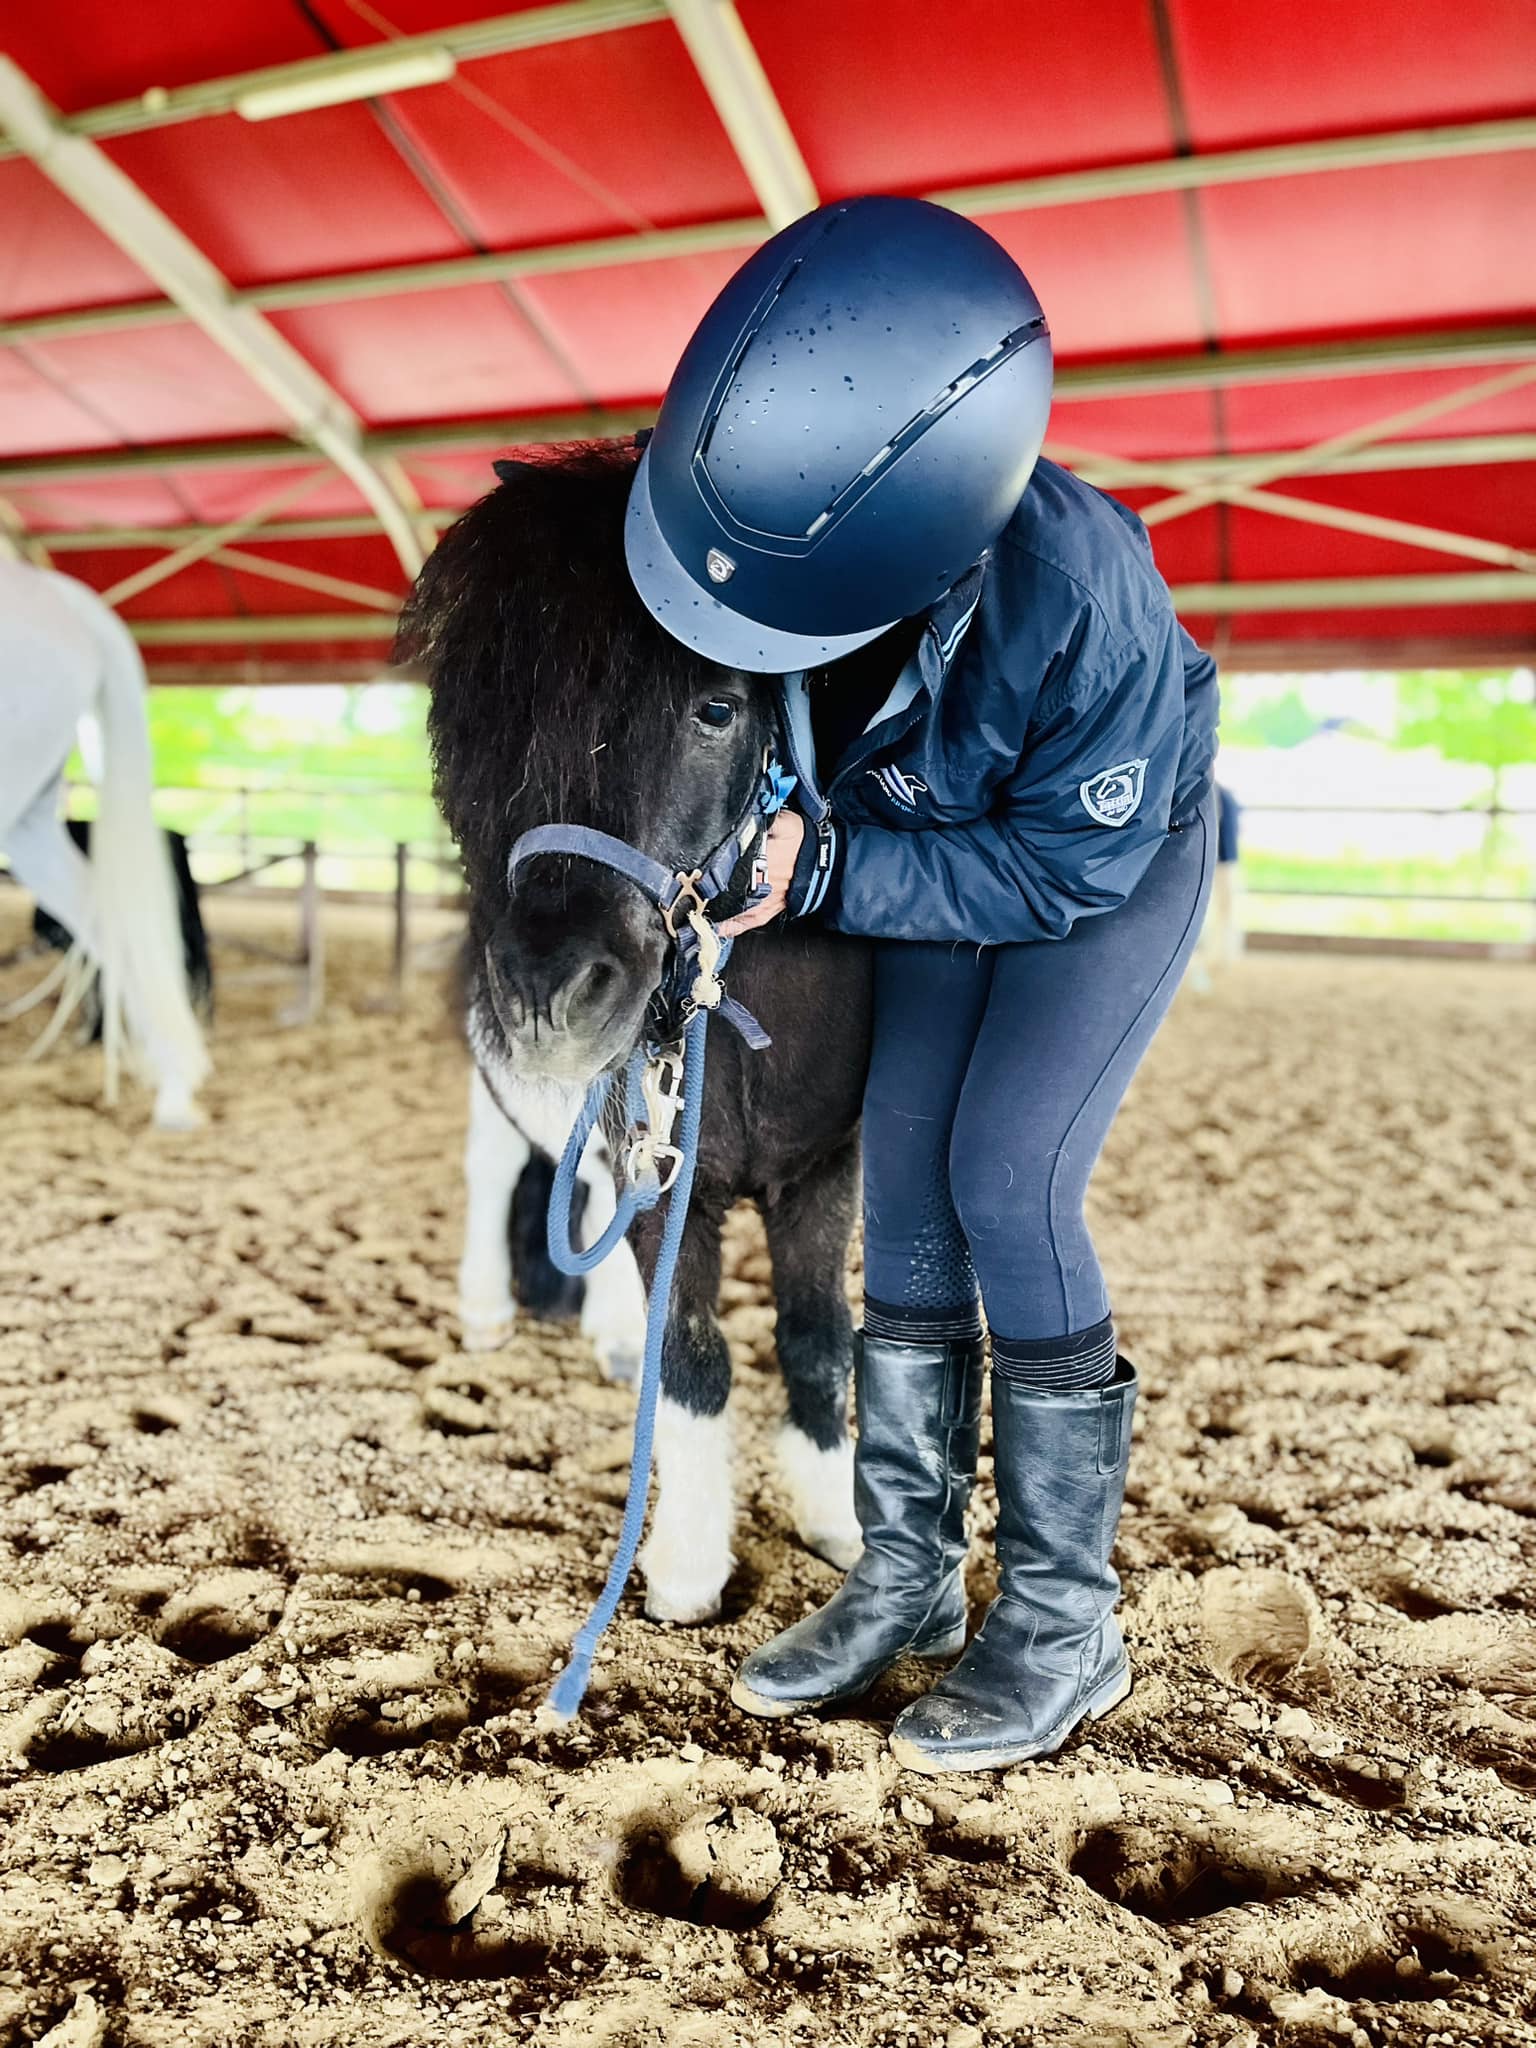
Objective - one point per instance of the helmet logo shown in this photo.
(720, 566)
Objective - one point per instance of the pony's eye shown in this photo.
(718, 712)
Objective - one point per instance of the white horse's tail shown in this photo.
(146, 1011)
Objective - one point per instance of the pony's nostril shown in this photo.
(594, 988)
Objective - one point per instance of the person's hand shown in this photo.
(777, 858)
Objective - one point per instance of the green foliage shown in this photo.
(275, 737)
(1253, 715)
(1489, 721)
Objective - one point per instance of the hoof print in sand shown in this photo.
(1375, 1783)
(101, 1731)
(1170, 1878)
(719, 1869)
(1259, 1626)
(450, 1909)
(1429, 1954)
(220, 1616)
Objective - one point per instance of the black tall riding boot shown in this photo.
(1049, 1653)
(919, 1414)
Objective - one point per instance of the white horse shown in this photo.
(65, 656)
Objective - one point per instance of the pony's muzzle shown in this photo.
(565, 1010)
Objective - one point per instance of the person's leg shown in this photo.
(1066, 1026)
(930, 1002)
(917, 1373)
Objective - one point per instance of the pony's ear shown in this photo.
(509, 470)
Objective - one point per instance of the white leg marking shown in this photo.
(687, 1557)
(175, 1109)
(820, 1488)
(613, 1308)
(495, 1153)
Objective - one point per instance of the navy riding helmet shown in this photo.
(849, 429)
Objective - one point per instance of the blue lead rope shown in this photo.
(570, 1687)
(668, 891)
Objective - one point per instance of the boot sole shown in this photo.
(768, 1709)
(938, 1765)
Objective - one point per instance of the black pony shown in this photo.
(556, 697)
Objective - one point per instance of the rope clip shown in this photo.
(651, 1151)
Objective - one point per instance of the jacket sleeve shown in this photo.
(1051, 849)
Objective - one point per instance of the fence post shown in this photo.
(402, 918)
(311, 938)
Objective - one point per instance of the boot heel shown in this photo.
(948, 1644)
(1111, 1695)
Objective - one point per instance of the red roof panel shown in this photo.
(896, 95)
(1115, 277)
(315, 192)
(51, 255)
(588, 136)
(1298, 414)
(1258, 74)
(156, 384)
(623, 329)
(449, 354)
(526, 160)
(1396, 246)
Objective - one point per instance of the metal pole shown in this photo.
(311, 940)
(402, 919)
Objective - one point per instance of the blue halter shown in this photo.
(677, 894)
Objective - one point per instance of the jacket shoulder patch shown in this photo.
(1113, 796)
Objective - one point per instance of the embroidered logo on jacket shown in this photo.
(903, 790)
(1113, 796)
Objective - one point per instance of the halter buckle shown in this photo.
(688, 896)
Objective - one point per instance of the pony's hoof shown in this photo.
(837, 1547)
(485, 1336)
(620, 1360)
(177, 1113)
(616, 1333)
(680, 1605)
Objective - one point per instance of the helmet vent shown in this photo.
(920, 422)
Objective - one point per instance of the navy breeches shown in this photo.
(995, 1076)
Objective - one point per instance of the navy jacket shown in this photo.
(1054, 725)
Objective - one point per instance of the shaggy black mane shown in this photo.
(555, 695)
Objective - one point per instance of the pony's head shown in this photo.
(556, 698)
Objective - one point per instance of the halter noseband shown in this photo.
(691, 978)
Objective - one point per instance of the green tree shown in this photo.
(1487, 721)
(1257, 711)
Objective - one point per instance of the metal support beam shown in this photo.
(1256, 474)
(113, 203)
(787, 184)
(1321, 593)
(1109, 471)
(1243, 166)
(1277, 365)
(534, 430)
(749, 111)
(161, 107)
(1354, 593)
(279, 629)
(1454, 451)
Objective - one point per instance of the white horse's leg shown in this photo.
(687, 1557)
(47, 863)
(495, 1153)
(820, 1488)
(613, 1308)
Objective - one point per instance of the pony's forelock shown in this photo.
(554, 692)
